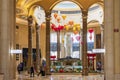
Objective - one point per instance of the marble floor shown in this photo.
(61, 77)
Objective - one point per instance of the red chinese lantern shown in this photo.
(90, 31)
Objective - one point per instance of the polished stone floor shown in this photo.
(61, 77)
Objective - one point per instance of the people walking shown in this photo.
(31, 71)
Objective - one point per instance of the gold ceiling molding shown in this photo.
(48, 5)
(58, 1)
(27, 7)
(93, 21)
(31, 10)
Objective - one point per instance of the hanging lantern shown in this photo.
(64, 16)
(71, 22)
(75, 25)
(78, 28)
(55, 15)
(74, 28)
(66, 27)
(90, 31)
(75, 32)
(58, 19)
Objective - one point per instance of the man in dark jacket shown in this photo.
(31, 71)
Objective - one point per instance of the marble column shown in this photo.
(84, 46)
(109, 39)
(37, 48)
(48, 15)
(30, 61)
(102, 45)
(7, 40)
(117, 38)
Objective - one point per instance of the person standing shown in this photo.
(31, 71)
(40, 70)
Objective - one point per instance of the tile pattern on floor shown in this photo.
(61, 77)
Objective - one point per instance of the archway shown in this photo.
(29, 37)
(95, 23)
(65, 33)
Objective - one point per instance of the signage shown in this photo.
(16, 51)
(98, 50)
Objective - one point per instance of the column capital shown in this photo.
(30, 19)
(84, 14)
(48, 15)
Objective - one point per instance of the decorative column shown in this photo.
(117, 38)
(30, 61)
(7, 39)
(48, 15)
(102, 45)
(37, 48)
(109, 40)
(84, 46)
(58, 44)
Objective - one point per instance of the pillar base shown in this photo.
(117, 76)
(85, 72)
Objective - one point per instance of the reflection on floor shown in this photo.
(61, 77)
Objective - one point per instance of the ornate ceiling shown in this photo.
(26, 7)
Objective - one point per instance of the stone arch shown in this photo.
(57, 2)
(99, 13)
(31, 10)
(93, 21)
(100, 3)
